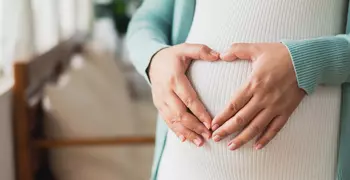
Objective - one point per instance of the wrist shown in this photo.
(149, 67)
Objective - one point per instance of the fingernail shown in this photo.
(205, 135)
(232, 146)
(197, 142)
(215, 127)
(182, 138)
(207, 125)
(217, 138)
(258, 146)
(214, 53)
(225, 53)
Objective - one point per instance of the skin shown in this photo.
(262, 106)
(173, 94)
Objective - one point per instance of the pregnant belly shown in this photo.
(215, 82)
(305, 149)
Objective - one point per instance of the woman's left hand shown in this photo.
(263, 105)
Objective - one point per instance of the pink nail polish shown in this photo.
(217, 138)
(197, 142)
(233, 146)
(182, 138)
(214, 53)
(215, 127)
(258, 146)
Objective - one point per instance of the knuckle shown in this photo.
(276, 130)
(176, 119)
(196, 129)
(255, 83)
(189, 101)
(223, 132)
(233, 106)
(175, 129)
(178, 130)
(239, 120)
(189, 135)
(240, 141)
(265, 140)
(255, 128)
(204, 116)
(186, 120)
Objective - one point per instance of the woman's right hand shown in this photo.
(173, 94)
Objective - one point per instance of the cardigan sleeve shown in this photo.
(324, 60)
(149, 31)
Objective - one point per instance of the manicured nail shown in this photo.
(215, 127)
(214, 53)
(232, 146)
(206, 136)
(225, 53)
(197, 142)
(217, 138)
(258, 146)
(207, 125)
(182, 138)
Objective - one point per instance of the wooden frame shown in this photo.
(31, 145)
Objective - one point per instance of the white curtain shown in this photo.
(46, 26)
(31, 27)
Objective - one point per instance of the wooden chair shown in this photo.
(31, 145)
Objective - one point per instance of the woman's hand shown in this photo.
(263, 105)
(173, 94)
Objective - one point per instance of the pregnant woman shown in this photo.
(227, 75)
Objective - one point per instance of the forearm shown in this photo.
(149, 31)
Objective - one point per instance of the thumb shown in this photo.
(240, 51)
(197, 51)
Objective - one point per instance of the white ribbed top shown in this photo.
(306, 149)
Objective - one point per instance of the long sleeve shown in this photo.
(149, 31)
(324, 60)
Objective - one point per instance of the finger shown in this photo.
(240, 51)
(198, 51)
(181, 132)
(187, 119)
(272, 130)
(239, 100)
(259, 123)
(191, 123)
(238, 121)
(189, 135)
(188, 96)
(164, 112)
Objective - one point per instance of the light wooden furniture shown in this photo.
(31, 145)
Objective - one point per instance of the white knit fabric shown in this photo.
(306, 149)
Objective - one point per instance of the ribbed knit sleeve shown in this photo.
(149, 31)
(324, 60)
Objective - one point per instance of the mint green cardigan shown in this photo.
(325, 60)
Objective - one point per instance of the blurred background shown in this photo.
(96, 120)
